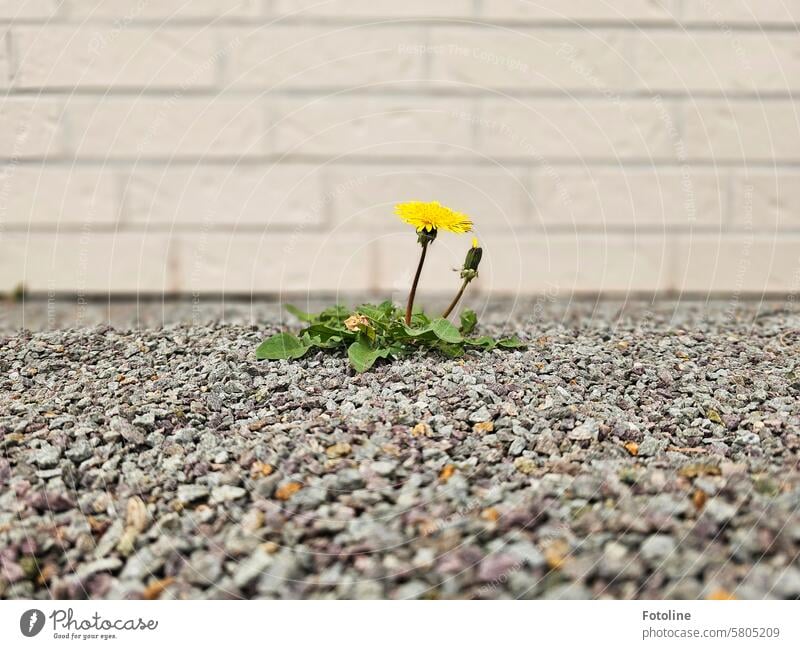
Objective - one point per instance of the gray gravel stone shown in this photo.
(47, 456)
(585, 432)
(227, 493)
(127, 431)
(188, 493)
(384, 468)
(658, 547)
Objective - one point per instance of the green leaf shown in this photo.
(388, 307)
(418, 335)
(452, 351)
(398, 350)
(383, 313)
(512, 343)
(326, 331)
(487, 342)
(362, 356)
(300, 315)
(282, 346)
(337, 313)
(419, 320)
(468, 321)
(331, 342)
(446, 331)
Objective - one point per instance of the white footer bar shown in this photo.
(385, 625)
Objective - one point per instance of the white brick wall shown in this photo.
(258, 146)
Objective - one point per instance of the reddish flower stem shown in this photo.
(413, 292)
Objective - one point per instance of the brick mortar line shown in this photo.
(389, 22)
(437, 92)
(575, 230)
(169, 160)
(282, 297)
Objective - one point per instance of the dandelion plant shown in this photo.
(371, 332)
(428, 219)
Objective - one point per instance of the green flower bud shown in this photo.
(472, 261)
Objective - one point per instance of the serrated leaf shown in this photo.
(468, 321)
(362, 356)
(300, 315)
(281, 346)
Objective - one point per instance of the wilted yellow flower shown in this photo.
(356, 321)
(433, 216)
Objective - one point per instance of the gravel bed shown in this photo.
(633, 451)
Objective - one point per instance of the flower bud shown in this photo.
(472, 260)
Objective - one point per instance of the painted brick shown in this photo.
(295, 263)
(109, 57)
(86, 262)
(363, 198)
(579, 10)
(552, 59)
(629, 197)
(14, 10)
(563, 264)
(57, 196)
(374, 8)
(766, 199)
(718, 62)
(128, 11)
(214, 196)
(171, 127)
(579, 128)
(726, 12)
(747, 263)
(742, 130)
(30, 127)
(290, 57)
(369, 126)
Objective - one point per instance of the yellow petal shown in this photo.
(433, 216)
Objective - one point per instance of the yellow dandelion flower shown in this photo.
(474, 242)
(433, 216)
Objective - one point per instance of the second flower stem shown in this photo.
(456, 299)
(413, 292)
